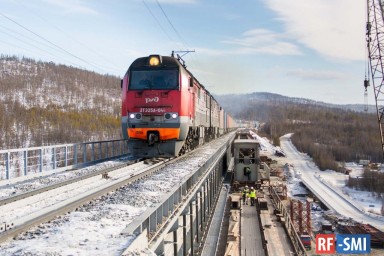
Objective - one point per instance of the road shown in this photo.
(310, 177)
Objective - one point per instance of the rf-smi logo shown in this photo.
(154, 99)
(343, 243)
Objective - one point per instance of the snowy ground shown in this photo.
(363, 200)
(367, 201)
(27, 183)
(94, 229)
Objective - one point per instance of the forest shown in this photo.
(330, 135)
(371, 180)
(44, 103)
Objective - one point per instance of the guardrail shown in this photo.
(289, 227)
(26, 161)
(177, 224)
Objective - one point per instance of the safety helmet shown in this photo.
(246, 186)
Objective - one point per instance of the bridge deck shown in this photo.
(214, 233)
(278, 242)
(251, 239)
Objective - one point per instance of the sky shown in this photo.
(298, 48)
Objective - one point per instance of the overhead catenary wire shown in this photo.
(52, 55)
(105, 59)
(182, 40)
(29, 43)
(157, 21)
(48, 41)
(170, 23)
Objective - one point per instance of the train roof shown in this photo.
(166, 61)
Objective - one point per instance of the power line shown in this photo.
(158, 22)
(29, 43)
(174, 29)
(53, 56)
(170, 23)
(12, 32)
(41, 37)
(72, 38)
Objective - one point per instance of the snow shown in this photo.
(23, 184)
(298, 165)
(365, 200)
(330, 185)
(46, 94)
(95, 228)
(265, 145)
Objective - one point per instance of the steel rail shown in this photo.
(59, 184)
(71, 204)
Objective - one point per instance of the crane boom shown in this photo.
(375, 45)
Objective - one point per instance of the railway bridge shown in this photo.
(199, 215)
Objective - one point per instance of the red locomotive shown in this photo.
(166, 111)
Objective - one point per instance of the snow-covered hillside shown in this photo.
(43, 85)
(45, 103)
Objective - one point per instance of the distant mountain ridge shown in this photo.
(230, 101)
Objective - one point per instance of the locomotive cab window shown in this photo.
(154, 80)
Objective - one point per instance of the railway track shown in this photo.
(21, 212)
(54, 185)
(90, 221)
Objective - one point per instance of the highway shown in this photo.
(310, 177)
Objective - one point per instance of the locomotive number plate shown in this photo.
(152, 110)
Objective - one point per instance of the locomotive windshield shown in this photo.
(154, 80)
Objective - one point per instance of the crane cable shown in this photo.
(367, 63)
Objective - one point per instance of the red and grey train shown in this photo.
(166, 111)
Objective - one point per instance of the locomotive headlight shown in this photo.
(168, 116)
(135, 116)
(154, 60)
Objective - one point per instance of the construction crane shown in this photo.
(375, 45)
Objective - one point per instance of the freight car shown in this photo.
(166, 111)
